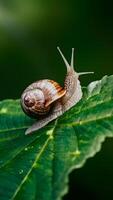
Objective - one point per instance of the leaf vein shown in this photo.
(30, 170)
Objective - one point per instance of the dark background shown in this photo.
(30, 30)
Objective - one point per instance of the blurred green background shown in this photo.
(30, 30)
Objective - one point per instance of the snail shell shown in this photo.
(38, 98)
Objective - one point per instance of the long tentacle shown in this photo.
(64, 59)
(72, 58)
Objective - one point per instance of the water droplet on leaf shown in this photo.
(21, 171)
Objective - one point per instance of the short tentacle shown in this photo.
(83, 73)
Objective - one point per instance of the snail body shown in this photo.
(48, 99)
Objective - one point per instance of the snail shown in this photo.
(47, 100)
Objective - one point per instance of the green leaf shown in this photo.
(36, 167)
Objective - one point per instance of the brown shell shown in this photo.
(52, 91)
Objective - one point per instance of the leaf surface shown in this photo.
(36, 167)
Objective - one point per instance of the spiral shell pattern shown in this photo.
(39, 97)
